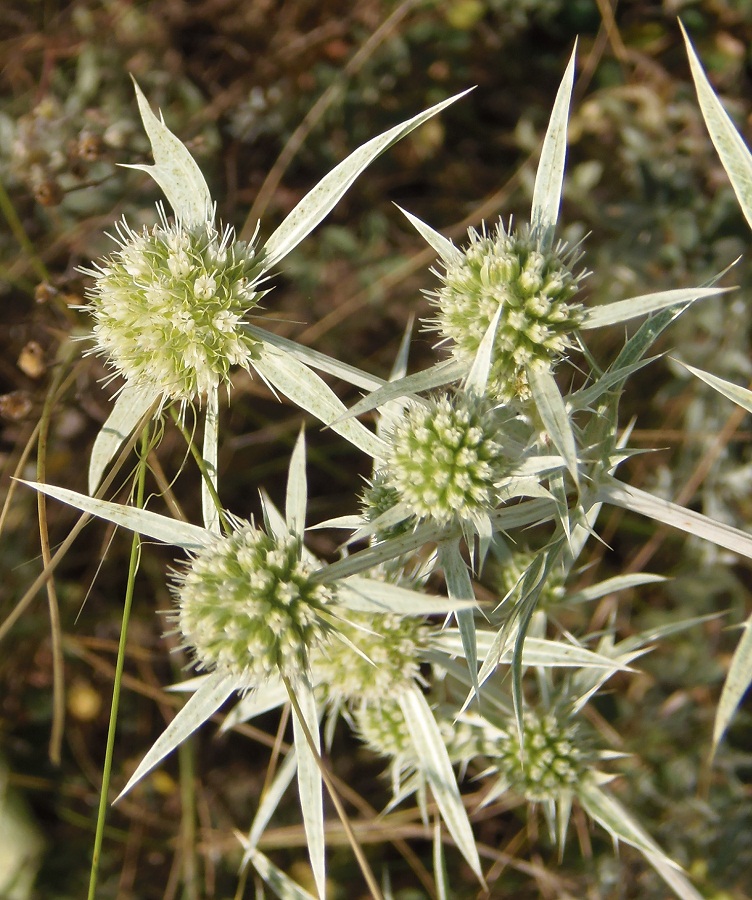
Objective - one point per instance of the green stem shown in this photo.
(109, 752)
(201, 463)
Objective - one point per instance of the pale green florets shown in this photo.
(169, 307)
(553, 760)
(248, 607)
(391, 648)
(444, 460)
(533, 289)
(382, 727)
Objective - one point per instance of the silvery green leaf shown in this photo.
(477, 377)
(612, 586)
(437, 768)
(317, 360)
(348, 522)
(324, 196)
(174, 169)
(440, 874)
(553, 413)
(282, 885)
(586, 397)
(444, 247)
(546, 653)
(399, 367)
(624, 310)
(549, 177)
(388, 519)
(735, 687)
(440, 374)
(188, 686)
(296, 502)
(143, 521)
(270, 801)
(22, 842)
(630, 498)
(622, 826)
(200, 707)
(460, 587)
(296, 381)
(269, 695)
(210, 450)
(732, 150)
(391, 413)
(132, 404)
(310, 784)
(372, 595)
(382, 552)
(740, 395)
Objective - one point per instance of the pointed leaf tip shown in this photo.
(174, 169)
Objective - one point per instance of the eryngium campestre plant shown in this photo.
(247, 607)
(534, 289)
(170, 304)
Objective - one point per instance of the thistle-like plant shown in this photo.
(172, 305)
(254, 609)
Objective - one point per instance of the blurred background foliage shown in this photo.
(268, 96)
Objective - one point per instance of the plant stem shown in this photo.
(119, 665)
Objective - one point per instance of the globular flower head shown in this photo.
(533, 288)
(553, 760)
(445, 459)
(248, 607)
(385, 663)
(169, 306)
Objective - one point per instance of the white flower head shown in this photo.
(169, 307)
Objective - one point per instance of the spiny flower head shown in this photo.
(533, 288)
(552, 761)
(445, 458)
(511, 571)
(386, 661)
(248, 607)
(169, 306)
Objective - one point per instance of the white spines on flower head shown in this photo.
(170, 304)
(379, 658)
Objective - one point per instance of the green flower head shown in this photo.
(552, 761)
(445, 459)
(248, 608)
(169, 307)
(533, 289)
